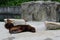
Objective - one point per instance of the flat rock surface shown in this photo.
(42, 34)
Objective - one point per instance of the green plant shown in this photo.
(12, 2)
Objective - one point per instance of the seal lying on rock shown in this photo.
(18, 28)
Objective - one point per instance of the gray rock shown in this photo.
(52, 25)
(39, 10)
(48, 39)
(9, 38)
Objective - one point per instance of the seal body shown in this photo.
(18, 28)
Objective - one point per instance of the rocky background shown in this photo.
(40, 11)
(33, 11)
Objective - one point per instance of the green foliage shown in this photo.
(16, 2)
(56, 0)
(12, 2)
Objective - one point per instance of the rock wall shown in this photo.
(39, 11)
